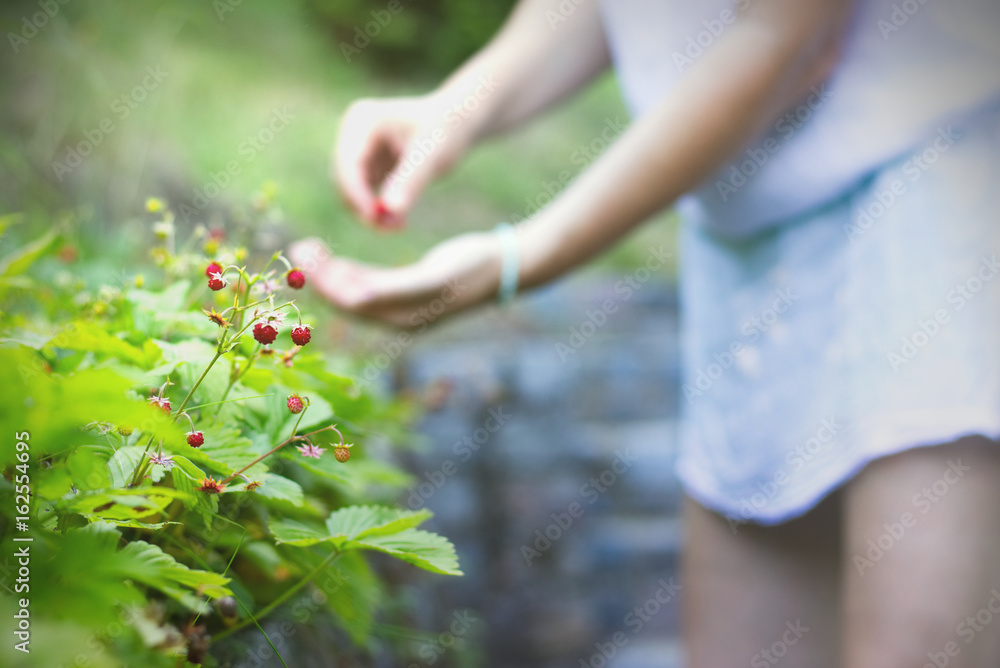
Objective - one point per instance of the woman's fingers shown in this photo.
(353, 150)
(356, 287)
(454, 275)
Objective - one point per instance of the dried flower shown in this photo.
(211, 486)
(217, 318)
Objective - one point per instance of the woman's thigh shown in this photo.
(922, 559)
(762, 596)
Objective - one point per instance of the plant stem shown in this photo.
(233, 380)
(229, 401)
(285, 595)
(218, 354)
(291, 438)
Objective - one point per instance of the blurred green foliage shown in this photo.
(146, 549)
(434, 36)
(228, 71)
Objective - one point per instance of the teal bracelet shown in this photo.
(509, 269)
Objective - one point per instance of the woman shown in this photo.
(839, 165)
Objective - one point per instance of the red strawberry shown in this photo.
(295, 404)
(301, 335)
(195, 439)
(295, 278)
(264, 333)
(213, 268)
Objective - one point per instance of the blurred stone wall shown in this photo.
(549, 463)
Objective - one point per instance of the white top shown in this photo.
(907, 68)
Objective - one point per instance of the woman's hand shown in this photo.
(388, 150)
(454, 275)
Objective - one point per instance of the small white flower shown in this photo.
(219, 276)
(274, 318)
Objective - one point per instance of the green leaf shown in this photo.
(9, 219)
(361, 521)
(278, 488)
(296, 533)
(353, 592)
(54, 408)
(17, 262)
(122, 465)
(121, 504)
(381, 528)
(423, 549)
(91, 337)
(88, 467)
(153, 567)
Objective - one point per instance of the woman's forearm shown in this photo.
(768, 61)
(538, 58)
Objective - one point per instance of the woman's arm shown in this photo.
(538, 58)
(388, 150)
(766, 63)
(759, 68)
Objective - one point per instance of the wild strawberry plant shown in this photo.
(184, 459)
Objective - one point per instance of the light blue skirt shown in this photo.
(859, 329)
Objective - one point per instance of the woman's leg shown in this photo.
(762, 596)
(922, 559)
